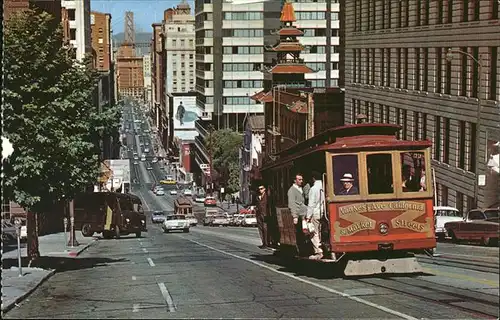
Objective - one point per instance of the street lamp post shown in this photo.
(449, 57)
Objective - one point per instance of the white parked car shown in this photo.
(443, 215)
(199, 198)
(136, 162)
(155, 160)
(173, 192)
(188, 192)
(143, 158)
(160, 192)
(249, 221)
(176, 222)
(146, 150)
(192, 220)
(220, 220)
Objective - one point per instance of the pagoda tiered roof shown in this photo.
(289, 31)
(290, 68)
(288, 47)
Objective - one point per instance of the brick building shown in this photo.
(398, 70)
(130, 72)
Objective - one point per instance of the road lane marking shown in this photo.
(317, 285)
(461, 277)
(168, 298)
(151, 263)
(134, 278)
(143, 200)
(135, 308)
(145, 250)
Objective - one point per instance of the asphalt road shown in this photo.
(218, 272)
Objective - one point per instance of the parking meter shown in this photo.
(18, 224)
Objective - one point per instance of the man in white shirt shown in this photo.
(313, 215)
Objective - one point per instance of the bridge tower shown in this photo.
(129, 28)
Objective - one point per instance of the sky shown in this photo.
(146, 12)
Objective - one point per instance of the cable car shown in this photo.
(378, 198)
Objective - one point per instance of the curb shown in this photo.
(75, 254)
(26, 294)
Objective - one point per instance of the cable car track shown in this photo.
(482, 305)
(476, 265)
(453, 301)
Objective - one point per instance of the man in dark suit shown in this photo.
(262, 216)
(348, 187)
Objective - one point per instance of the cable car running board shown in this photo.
(375, 266)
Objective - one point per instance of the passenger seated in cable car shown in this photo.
(348, 187)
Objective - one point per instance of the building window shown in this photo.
(465, 10)
(446, 140)
(416, 128)
(417, 68)
(426, 13)
(463, 72)
(459, 202)
(425, 83)
(71, 14)
(449, 11)
(72, 34)
(405, 68)
(447, 85)
(493, 73)
(440, 8)
(439, 67)
(424, 126)
(472, 147)
(462, 144)
(494, 9)
(354, 63)
(353, 111)
(367, 66)
(382, 66)
(404, 124)
(475, 73)
(444, 195)
(372, 66)
(398, 68)
(383, 13)
(388, 70)
(418, 13)
(437, 138)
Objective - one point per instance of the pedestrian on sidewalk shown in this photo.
(262, 216)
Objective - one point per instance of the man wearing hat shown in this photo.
(348, 187)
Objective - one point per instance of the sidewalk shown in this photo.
(16, 288)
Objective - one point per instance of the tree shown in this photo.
(49, 117)
(225, 145)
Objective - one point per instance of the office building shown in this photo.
(399, 70)
(79, 26)
(179, 36)
(146, 63)
(230, 56)
(320, 23)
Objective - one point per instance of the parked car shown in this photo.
(188, 192)
(199, 198)
(176, 222)
(155, 160)
(220, 220)
(136, 162)
(192, 220)
(160, 192)
(249, 220)
(478, 225)
(210, 202)
(443, 215)
(149, 167)
(173, 192)
(146, 150)
(158, 217)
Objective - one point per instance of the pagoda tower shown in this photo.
(283, 104)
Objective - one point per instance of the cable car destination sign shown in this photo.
(357, 214)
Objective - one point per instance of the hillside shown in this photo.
(142, 40)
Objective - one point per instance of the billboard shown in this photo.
(185, 112)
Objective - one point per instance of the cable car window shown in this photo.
(379, 173)
(346, 175)
(413, 172)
